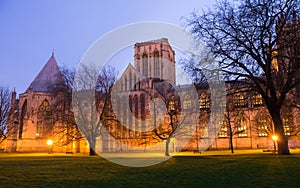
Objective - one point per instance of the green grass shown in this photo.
(244, 170)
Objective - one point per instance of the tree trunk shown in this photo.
(282, 142)
(92, 152)
(230, 137)
(167, 148)
(92, 148)
(231, 143)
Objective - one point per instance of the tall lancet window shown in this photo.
(125, 84)
(143, 107)
(145, 65)
(136, 113)
(130, 81)
(156, 65)
(23, 113)
(44, 121)
(130, 117)
(143, 112)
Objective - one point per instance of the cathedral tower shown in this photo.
(155, 59)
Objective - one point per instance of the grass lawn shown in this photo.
(199, 170)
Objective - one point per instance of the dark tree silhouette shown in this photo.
(168, 119)
(5, 109)
(257, 42)
(166, 130)
(91, 101)
(234, 113)
(67, 130)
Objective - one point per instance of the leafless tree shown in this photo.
(169, 120)
(66, 130)
(91, 100)
(5, 108)
(232, 116)
(165, 130)
(255, 41)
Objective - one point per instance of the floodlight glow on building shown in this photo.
(49, 142)
(275, 138)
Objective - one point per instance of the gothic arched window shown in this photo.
(44, 121)
(130, 81)
(242, 127)
(143, 111)
(125, 84)
(262, 124)
(204, 101)
(238, 99)
(187, 102)
(145, 65)
(287, 121)
(156, 65)
(124, 111)
(23, 113)
(130, 115)
(257, 100)
(130, 103)
(223, 132)
(136, 111)
(171, 104)
(143, 107)
(134, 82)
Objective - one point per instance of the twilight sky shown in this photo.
(30, 30)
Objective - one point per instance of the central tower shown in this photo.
(155, 59)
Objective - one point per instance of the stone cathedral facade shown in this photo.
(34, 117)
(152, 75)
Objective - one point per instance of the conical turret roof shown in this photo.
(47, 78)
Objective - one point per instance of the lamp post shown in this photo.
(274, 138)
(50, 143)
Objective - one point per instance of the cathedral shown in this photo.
(140, 122)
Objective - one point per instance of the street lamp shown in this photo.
(274, 138)
(50, 143)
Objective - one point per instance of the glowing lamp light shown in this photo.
(274, 137)
(49, 142)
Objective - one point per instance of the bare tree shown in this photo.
(168, 119)
(165, 130)
(5, 109)
(67, 130)
(91, 100)
(255, 41)
(59, 116)
(234, 115)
